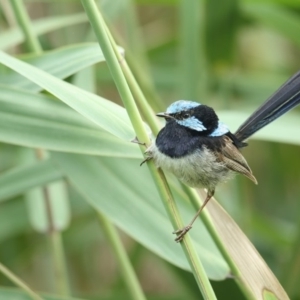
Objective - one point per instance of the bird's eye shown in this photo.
(186, 115)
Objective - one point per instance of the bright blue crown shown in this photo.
(181, 105)
(192, 122)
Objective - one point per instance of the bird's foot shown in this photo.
(145, 160)
(181, 233)
(136, 141)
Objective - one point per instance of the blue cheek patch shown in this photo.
(192, 123)
(221, 130)
(181, 105)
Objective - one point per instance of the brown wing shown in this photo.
(234, 160)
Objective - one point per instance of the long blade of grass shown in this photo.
(61, 63)
(40, 121)
(106, 114)
(255, 278)
(18, 282)
(13, 37)
(22, 178)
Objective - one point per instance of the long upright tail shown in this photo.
(283, 100)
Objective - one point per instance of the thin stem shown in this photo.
(25, 25)
(135, 54)
(135, 88)
(18, 282)
(205, 217)
(61, 277)
(98, 25)
(124, 263)
(99, 28)
(60, 268)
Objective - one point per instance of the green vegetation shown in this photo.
(79, 218)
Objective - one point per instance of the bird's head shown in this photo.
(195, 116)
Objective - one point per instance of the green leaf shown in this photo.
(60, 63)
(281, 20)
(253, 273)
(39, 121)
(106, 114)
(22, 178)
(13, 37)
(124, 192)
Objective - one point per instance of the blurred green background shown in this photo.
(230, 55)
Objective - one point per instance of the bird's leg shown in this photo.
(147, 152)
(182, 232)
(145, 160)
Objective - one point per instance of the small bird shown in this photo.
(201, 151)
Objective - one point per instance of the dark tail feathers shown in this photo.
(283, 100)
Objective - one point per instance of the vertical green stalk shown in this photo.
(129, 276)
(136, 90)
(99, 28)
(60, 268)
(192, 71)
(34, 46)
(135, 54)
(194, 198)
(23, 19)
(18, 282)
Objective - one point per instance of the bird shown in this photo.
(201, 151)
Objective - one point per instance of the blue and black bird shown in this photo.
(201, 151)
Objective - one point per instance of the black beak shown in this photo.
(164, 115)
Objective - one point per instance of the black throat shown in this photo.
(176, 141)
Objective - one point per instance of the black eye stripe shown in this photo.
(184, 114)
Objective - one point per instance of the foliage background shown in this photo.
(244, 51)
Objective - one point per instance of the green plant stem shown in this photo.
(143, 76)
(205, 217)
(60, 268)
(127, 270)
(100, 30)
(135, 54)
(135, 88)
(34, 46)
(25, 25)
(18, 282)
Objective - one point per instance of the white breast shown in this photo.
(199, 169)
